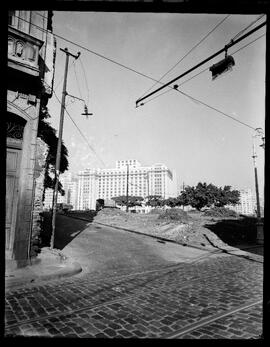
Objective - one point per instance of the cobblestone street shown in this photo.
(211, 298)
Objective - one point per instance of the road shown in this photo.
(133, 286)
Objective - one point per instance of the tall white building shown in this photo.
(69, 184)
(247, 203)
(107, 183)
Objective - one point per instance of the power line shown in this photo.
(86, 83)
(232, 43)
(164, 85)
(199, 73)
(77, 82)
(91, 51)
(243, 30)
(215, 109)
(92, 149)
(216, 26)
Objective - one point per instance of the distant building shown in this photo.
(247, 205)
(69, 184)
(107, 183)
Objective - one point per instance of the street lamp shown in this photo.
(260, 232)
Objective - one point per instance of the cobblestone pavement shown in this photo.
(212, 298)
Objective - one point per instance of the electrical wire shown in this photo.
(216, 26)
(92, 149)
(215, 109)
(243, 30)
(93, 52)
(137, 72)
(85, 79)
(204, 70)
(74, 68)
(201, 102)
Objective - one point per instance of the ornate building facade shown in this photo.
(31, 59)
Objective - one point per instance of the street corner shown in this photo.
(53, 264)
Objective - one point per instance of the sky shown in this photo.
(199, 143)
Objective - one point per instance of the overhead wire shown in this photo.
(199, 73)
(243, 30)
(92, 149)
(192, 49)
(85, 79)
(215, 109)
(201, 102)
(124, 66)
(92, 52)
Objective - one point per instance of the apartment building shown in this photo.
(247, 203)
(140, 180)
(70, 185)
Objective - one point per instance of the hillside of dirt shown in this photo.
(173, 224)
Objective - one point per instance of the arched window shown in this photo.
(14, 126)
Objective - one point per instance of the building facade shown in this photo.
(30, 70)
(141, 181)
(70, 185)
(247, 203)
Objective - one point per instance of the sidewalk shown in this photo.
(52, 264)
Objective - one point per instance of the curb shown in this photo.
(70, 270)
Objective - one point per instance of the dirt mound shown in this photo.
(220, 212)
(175, 214)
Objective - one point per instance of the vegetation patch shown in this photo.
(221, 212)
(175, 214)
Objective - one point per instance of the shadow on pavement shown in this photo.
(236, 232)
(66, 229)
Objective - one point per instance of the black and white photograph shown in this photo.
(135, 173)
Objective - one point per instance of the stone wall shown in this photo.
(37, 219)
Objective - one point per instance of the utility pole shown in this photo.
(59, 143)
(260, 232)
(127, 188)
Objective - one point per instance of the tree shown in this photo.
(154, 200)
(171, 202)
(132, 200)
(226, 196)
(207, 195)
(48, 134)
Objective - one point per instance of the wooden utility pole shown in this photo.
(59, 143)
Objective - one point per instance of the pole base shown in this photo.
(260, 234)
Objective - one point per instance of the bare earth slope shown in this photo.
(181, 230)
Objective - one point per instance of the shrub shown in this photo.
(220, 212)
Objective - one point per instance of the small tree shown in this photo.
(132, 200)
(171, 202)
(154, 200)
